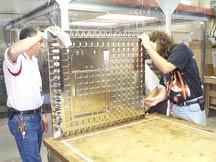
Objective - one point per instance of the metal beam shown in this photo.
(36, 13)
(134, 10)
(64, 5)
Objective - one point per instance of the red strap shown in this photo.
(182, 85)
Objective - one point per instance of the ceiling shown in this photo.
(11, 9)
(78, 17)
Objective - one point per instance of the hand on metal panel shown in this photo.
(63, 36)
(145, 40)
(54, 30)
(151, 101)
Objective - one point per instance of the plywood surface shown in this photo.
(210, 80)
(154, 139)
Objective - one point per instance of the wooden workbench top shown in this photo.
(210, 79)
(153, 139)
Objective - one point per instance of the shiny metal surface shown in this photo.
(98, 82)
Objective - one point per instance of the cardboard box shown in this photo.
(198, 58)
(209, 70)
(198, 44)
(214, 71)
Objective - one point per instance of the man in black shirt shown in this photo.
(169, 57)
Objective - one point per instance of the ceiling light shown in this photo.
(87, 23)
(122, 17)
(186, 2)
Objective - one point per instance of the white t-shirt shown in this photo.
(151, 80)
(23, 83)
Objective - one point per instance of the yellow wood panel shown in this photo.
(60, 150)
(198, 58)
(209, 80)
(210, 92)
(212, 100)
(154, 139)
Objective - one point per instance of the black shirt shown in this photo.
(182, 57)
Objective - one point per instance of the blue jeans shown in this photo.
(191, 113)
(29, 147)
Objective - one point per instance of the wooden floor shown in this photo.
(154, 139)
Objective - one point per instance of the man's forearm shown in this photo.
(153, 92)
(163, 65)
(162, 95)
(21, 46)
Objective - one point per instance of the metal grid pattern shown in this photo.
(55, 83)
(96, 83)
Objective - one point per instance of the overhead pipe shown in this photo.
(64, 7)
(168, 7)
(37, 12)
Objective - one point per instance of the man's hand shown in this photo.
(63, 36)
(146, 106)
(45, 123)
(151, 101)
(145, 40)
(54, 30)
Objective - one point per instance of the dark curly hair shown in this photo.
(164, 42)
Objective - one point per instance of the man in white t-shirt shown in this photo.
(153, 88)
(24, 91)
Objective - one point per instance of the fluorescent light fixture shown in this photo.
(122, 17)
(89, 23)
(186, 2)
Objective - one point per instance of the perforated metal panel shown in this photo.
(98, 82)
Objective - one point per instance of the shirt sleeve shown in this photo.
(12, 67)
(180, 56)
(151, 80)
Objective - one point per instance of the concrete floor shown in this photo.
(8, 148)
(9, 152)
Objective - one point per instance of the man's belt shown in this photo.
(16, 112)
(199, 100)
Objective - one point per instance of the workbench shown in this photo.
(210, 92)
(156, 138)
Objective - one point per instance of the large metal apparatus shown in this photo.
(98, 82)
